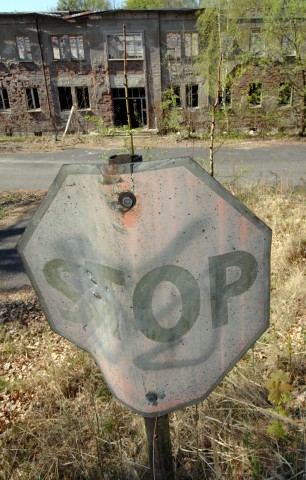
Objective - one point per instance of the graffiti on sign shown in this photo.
(157, 271)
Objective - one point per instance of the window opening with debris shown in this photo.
(24, 48)
(32, 98)
(134, 46)
(4, 100)
(82, 96)
(137, 104)
(65, 98)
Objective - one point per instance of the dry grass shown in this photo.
(59, 420)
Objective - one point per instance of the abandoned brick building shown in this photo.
(50, 62)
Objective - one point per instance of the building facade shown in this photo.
(52, 62)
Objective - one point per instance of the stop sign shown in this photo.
(156, 270)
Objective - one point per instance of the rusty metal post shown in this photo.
(159, 447)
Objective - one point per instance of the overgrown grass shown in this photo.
(59, 420)
(8, 199)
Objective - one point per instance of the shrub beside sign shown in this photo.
(156, 270)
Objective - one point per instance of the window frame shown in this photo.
(225, 96)
(190, 96)
(194, 44)
(80, 90)
(130, 46)
(174, 52)
(4, 100)
(24, 49)
(69, 107)
(177, 96)
(286, 41)
(61, 47)
(32, 97)
(79, 45)
(257, 47)
(68, 47)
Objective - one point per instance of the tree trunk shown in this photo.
(213, 120)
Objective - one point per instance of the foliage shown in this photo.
(100, 125)
(220, 34)
(83, 5)
(219, 29)
(279, 390)
(146, 4)
(170, 117)
(284, 37)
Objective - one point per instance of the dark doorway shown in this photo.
(137, 103)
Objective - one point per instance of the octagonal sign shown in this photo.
(156, 270)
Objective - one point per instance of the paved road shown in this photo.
(286, 163)
(37, 171)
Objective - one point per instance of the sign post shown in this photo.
(159, 447)
(157, 271)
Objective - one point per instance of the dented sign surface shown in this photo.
(166, 293)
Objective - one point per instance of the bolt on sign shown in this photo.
(156, 270)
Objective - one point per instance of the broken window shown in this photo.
(24, 48)
(255, 94)
(65, 98)
(256, 44)
(65, 47)
(32, 98)
(192, 97)
(76, 47)
(82, 96)
(174, 45)
(137, 106)
(59, 47)
(4, 100)
(134, 47)
(285, 94)
(191, 44)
